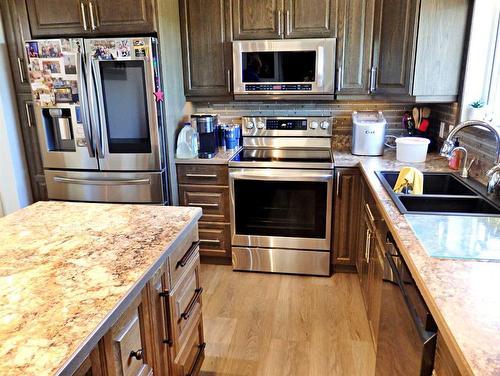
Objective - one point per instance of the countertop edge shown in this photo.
(444, 330)
(80, 354)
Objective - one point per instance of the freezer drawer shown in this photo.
(129, 187)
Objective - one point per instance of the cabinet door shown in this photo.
(121, 16)
(91, 366)
(58, 18)
(354, 46)
(394, 46)
(346, 216)
(310, 18)
(16, 28)
(32, 147)
(126, 342)
(375, 275)
(206, 48)
(157, 296)
(257, 19)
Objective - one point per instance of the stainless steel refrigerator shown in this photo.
(99, 118)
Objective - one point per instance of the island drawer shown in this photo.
(202, 174)
(214, 201)
(192, 353)
(185, 304)
(180, 258)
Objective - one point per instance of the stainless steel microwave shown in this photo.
(289, 67)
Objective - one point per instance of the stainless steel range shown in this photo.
(281, 186)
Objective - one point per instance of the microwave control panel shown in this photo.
(278, 87)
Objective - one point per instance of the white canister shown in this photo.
(411, 149)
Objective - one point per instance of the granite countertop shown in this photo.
(222, 157)
(67, 267)
(463, 295)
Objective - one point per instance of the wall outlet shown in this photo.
(450, 128)
(441, 129)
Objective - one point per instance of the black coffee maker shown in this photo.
(206, 126)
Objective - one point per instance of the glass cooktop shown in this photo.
(284, 155)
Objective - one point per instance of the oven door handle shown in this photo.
(270, 175)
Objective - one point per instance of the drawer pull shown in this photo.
(210, 241)
(202, 176)
(137, 354)
(184, 260)
(166, 296)
(201, 349)
(203, 205)
(187, 313)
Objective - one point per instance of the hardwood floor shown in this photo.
(270, 324)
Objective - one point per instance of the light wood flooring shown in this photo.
(270, 324)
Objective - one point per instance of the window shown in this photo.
(493, 99)
(482, 74)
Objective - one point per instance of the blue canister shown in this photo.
(231, 139)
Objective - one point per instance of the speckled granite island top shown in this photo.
(463, 295)
(64, 269)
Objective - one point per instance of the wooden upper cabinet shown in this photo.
(354, 46)
(16, 28)
(57, 17)
(206, 48)
(394, 46)
(257, 19)
(310, 18)
(122, 16)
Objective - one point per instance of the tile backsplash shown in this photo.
(479, 143)
(340, 111)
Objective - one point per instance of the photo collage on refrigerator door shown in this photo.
(52, 70)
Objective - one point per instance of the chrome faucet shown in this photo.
(493, 174)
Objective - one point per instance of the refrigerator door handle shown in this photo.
(94, 111)
(84, 105)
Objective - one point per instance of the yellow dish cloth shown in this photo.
(412, 178)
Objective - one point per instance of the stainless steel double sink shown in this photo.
(444, 194)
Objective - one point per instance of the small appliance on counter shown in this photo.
(206, 125)
(368, 133)
(187, 143)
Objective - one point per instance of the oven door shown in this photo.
(294, 66)
(281, 208)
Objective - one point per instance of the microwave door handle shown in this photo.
(94, 111)
(84, 106)
(424, 335)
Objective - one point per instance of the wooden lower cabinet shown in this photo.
(444, 365)
(207, 186)
(161, 331)
(346, 217)
(215, 239)
(370, 257)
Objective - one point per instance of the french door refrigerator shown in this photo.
(99, 118)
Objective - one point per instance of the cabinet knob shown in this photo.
(137, 354)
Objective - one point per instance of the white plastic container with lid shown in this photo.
(187, 143)
(368, 133)
(411, 149)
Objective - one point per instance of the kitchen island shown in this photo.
(70, 271)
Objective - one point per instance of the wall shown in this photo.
(171, 65)
(14, 185)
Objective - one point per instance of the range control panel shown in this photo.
(306, 126)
